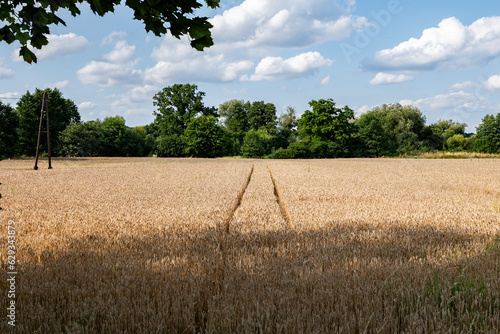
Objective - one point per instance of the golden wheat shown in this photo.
(196, 245)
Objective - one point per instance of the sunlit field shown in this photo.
(149, 245)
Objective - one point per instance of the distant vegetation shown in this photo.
(184, 126)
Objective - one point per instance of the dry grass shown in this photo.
(348, 246)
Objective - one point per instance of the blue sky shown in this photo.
(440, 56)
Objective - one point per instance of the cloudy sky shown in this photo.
(441, 56)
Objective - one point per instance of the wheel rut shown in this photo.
(238, 201)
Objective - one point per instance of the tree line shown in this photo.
(185, 127)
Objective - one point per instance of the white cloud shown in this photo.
(277, 68)
(134, 96)
(116, 68)
(463, 85)
(6, 73)
(87, 105)
(443, 101)
(10, 95)
(325, 81)
(59, 84)
(493, 82)
(121, 53)
(251, 33)
(387, 78)
(59, 45)
(113, 36)
(450, 45)
(285, 23)
(177, 60)
(137, 111)
(362, 110)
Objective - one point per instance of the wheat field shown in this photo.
(149, 245)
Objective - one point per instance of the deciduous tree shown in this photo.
(8, 126)
(62, 112)
(176, 106)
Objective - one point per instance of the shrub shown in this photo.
(169, 146)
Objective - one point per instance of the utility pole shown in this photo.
(45, 107)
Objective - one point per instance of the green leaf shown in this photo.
(197, 32)
(39, 40)
(201, 43)
(7, 35)
(27, 55)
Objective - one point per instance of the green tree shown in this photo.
(28, 22)
(327, 123)
(170, 146)
(176, 106)
(456, 143)
(234, 115)
(403, 126)
(256, 143)
(287, 122)
(441, 131)
(8, 127)
(488, 135)
(286, 128)
(138, 145)
(371, 133)
(261, 114)
(204, 137)
(61, 113)
(117, 137)
(82, 139)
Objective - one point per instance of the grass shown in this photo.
(152, 245)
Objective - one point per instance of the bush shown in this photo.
(309, 149)
(456, 143)
(82, 139)
(204, 138)
(169, 146)
(256, 143)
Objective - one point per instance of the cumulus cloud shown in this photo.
(387, 78)
(325, 81)
(113, 36)
(87, 105)
(59, 84)
(6, 73)
(116, 68)
(59, 45)
(285, 23)
(493, 82)
(362, 110)
(177, 60)
(133, 97)
(10, 95)
(463, 86)
(254, 32)
(277, 68)
(450, 45)
(443, 101)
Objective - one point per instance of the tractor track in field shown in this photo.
(279, 199)
(238, 200)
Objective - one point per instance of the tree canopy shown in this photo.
(488, 134)
(62, 112)
(8, 136)
(28, 22)
(184, 126)
(176, 106)
(327, 122)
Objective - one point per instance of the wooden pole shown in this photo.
(39, 134)
(48, 131)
